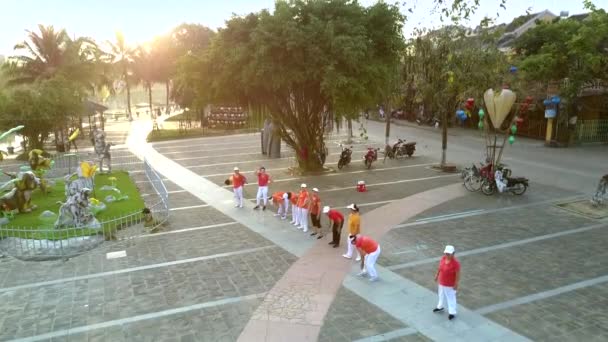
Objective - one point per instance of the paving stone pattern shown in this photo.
(577, 316)
(350, 317)
(74, 304)
(523, 270)
(427, 241)
(140, 252)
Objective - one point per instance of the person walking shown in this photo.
(369, 250)
(263, 180)
(238, 181)
(336, 220)
(354, 228)
(303, 203)
(447, 278)
(315, 213)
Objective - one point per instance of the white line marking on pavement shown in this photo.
(389, 335)
(116, 255)
(381, 184)
(238, 162)
(134, 269)
(337, 174)
(452, 215)
(442, 218)
(541, 295)
(188, 229)
(500, 246)
(189, 207)
(138, 318)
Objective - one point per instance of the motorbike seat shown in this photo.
(518, 179)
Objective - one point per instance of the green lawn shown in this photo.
(29, 223)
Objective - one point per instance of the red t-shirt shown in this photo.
(277, 197)
(302, 199)
(335, 215)
(238, 180)
(447, 271)
(294, 198)
(263, 179)
(315, 206)
(367, 244)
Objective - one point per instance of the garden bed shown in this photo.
(31, 226)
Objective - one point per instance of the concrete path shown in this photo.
(295, 308)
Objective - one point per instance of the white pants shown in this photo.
(350, 249)
(295, 214)
(262, 194)
(448, 294)
(304, 218)
(238, 195)
(283, 208)
(370, 263)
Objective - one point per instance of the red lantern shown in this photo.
(470, 103)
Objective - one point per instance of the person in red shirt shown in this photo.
(315, 213)
(263, 180)
(447, 278)
(336, 220)
(281, 200)
(238, 180)
(294, 206)
(369, 250)
(303, 203)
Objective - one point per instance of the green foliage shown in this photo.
(566, 49)
(304, 58)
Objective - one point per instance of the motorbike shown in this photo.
(390, 151)
(399, 149)
(502, 181)
(345, 156)
(371, 156)
(432, 121)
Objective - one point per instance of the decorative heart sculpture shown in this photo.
(499, 105)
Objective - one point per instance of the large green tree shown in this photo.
(305, 57)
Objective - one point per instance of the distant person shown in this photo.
(354, 228)
(262, 195)
(238, 181)
(303, 203)
(293, 200)
(370, 251)
(336, 221)
(447, 278)
(315, 213)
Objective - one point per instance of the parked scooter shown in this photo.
(503, 182)
(390, 151)
(432, 121)
(345, 156)
(371, 156)
(399, 149)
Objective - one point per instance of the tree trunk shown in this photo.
(387, 132)
(128, 95)
(167, 96)
(350, 131)
(149, 86)
(444, 138)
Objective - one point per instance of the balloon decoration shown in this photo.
(499, 105)
(511, 140)
(513, 69)
(513, 129)
(480, 125)
(461, 115)
(551, 106)
(227, 117)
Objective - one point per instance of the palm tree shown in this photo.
(122, 57)
(163, 53)
(144, 70)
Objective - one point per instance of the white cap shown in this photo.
(285, 196)
(315, 189)
(236, 168)
(449, 249)
(351, 206)
(325, 209)
(303, 185)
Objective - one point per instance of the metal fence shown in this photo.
(591, 131)
(38, 243)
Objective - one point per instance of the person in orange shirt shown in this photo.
(238, 180)
(354, 228)
(281, 200)
(294, 206)
(303, 203)
(315, 213)
(370, 251)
